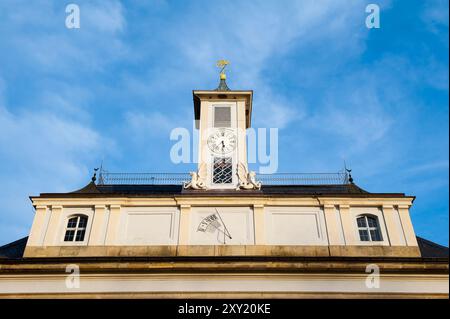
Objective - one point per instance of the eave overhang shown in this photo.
(246, 95)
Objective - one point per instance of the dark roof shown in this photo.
(223, 86)
(13, 250)
(430, 249)
(265, 190)
(94, 190)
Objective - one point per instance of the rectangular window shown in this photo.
(361, 222)
(80, 235)
(76, 228)
(69, 235)
(222, 116)
(375, 235)
(72, 222)
(222, 170)
(364, 235)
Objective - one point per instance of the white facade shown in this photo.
(269, 225)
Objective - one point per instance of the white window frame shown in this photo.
(67, 213)
(368, 228)
(374, 211)
(77, 227)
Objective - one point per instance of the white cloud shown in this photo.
(46, 144)
(104, 16)
(435, 74)
(433, 166)
(274, 110)
(251, 35)
(355, 108)
(47, 141)
(43, 42)
(142, 126)
(41, 152)
(2, 91)
(435, 14)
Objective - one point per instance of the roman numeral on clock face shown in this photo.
(222, 141)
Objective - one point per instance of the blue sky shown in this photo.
(113, 89)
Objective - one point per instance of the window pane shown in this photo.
(72, 222)
(361, 222)
(222, 116)
(375, 234)
(69, 235)
(80, 235)
(222, 170)
(83, 222)
(364, 235)
(372, 222)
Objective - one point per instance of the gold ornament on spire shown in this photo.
(222, 65)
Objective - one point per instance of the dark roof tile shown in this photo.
(13, 250)
(430, 249)
(177, 190)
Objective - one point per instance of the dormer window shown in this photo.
(76, 228)
(368, 228)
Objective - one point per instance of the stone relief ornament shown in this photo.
(197, 178)
(252, 177)
(214, 223)
(247, 180)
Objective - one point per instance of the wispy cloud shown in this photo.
(435, 15)
(49, 46)
(41, 152)
(427, 167)
(253, 44)
(47, 138)
(142, 126)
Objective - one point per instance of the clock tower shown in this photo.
(222, 117)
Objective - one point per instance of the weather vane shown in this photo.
(222, 64)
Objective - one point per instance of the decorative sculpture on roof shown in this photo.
(252, 177)
(247, 180)
(197, 178)
(222, 64)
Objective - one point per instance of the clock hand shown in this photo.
(223, 147)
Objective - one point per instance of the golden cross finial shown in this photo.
(222, 65)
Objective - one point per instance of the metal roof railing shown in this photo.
(303, 178)
(107, 178)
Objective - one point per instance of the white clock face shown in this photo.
(222, 141)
